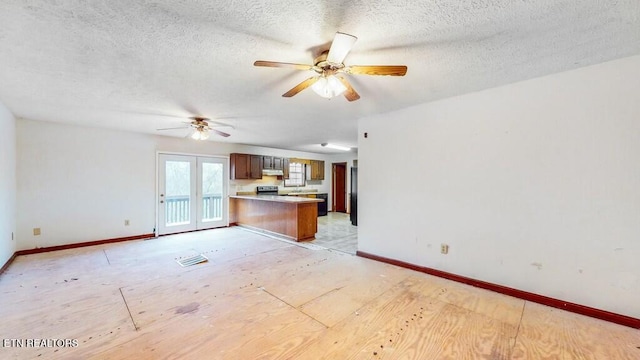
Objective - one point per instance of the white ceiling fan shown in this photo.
(201, 126)
(329, 66)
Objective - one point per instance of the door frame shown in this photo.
(333, 185)
(225, 158)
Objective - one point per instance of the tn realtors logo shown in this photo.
(40, 343)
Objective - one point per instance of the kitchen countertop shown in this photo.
(278, 198)
(300, 193)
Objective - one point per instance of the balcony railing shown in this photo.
(212, 206)
(177, 208)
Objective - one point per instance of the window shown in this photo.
(296, 175)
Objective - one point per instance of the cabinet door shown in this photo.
(285, 168)
(317, 170)
(277, 163)
(255, 170)
(314, 170)
(239, 166)
(267, 162)
(320, 170)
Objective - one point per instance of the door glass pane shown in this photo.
(212, 182)
(178, 190)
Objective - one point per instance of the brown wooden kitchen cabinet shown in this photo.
(239, 164)
(267, 162)
(245, 166)
(272, 162)
(255, 167)
(278, 163)
(317, 170)
(285, 168)
(293, 217)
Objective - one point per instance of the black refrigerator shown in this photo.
(354, 196)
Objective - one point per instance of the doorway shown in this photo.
(192, 193)
(339, 187)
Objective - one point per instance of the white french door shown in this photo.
(192, 193)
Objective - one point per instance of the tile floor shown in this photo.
(336, 232)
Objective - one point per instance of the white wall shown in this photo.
(534, 185)
(7, 184)
(79, 184)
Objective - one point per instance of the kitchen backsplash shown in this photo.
(244, 186)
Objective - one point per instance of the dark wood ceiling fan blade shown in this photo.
(224, 134)
(390, 70)
(282, 65)
(350, 93)
(303, 85)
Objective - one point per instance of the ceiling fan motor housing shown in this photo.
(322, 66)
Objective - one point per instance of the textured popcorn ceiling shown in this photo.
(132, 64)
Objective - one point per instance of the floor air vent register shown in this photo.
(193, 260)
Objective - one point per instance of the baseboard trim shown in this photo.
(8, 263)
(82, 244)
(525, 295)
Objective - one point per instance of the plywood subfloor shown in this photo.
(260, 298)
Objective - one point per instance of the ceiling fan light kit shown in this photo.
(328, 87)
(200, 128)
(200, 134)
(328, 64)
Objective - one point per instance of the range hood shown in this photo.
(272, 172)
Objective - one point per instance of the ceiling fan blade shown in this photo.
(282, 65)
(217, 124)
(224, 134)
(173, 128)
(350, 93)
(391, 70)
(340, 47)
(303, 85)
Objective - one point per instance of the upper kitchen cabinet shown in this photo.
(272, 162)
(317, 170)
(239, 164)
(255, 167)
(267, 162)
(245, 166)
(285, 168)
(278, 163)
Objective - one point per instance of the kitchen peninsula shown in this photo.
(293, 217)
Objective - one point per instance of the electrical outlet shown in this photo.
(444, 249)
(36, 231)
(127, 223)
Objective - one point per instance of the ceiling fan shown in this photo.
(200, 128)
(329, 66)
